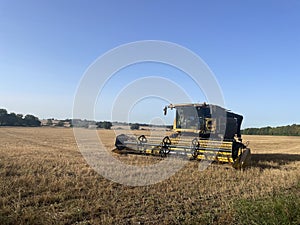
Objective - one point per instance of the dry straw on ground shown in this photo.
(45, 180)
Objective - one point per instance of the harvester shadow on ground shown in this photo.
(273, 160)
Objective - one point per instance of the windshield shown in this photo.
(187, 118)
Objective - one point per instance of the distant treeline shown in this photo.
(289, 130)
(12, 119)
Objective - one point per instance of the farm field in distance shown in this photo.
(45, 180)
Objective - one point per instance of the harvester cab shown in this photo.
(201, 131)
(206, 121)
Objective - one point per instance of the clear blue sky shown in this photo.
(253, 48)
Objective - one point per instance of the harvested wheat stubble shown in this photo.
(45, 180)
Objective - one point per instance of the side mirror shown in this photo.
(165, 110)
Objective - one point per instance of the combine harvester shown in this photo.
(201, 132)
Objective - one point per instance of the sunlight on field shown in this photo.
(45, 180)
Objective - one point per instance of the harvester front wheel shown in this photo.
(243, 160)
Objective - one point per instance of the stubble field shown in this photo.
(45, 180)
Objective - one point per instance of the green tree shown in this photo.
(104, 124)
(20, 121)
(3, 112)
(134, 126)
(12, 120)
(32, 121)
(3, 115)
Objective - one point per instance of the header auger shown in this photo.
(201, 132)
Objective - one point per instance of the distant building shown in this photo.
(92, 126)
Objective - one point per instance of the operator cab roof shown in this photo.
(172, 106)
